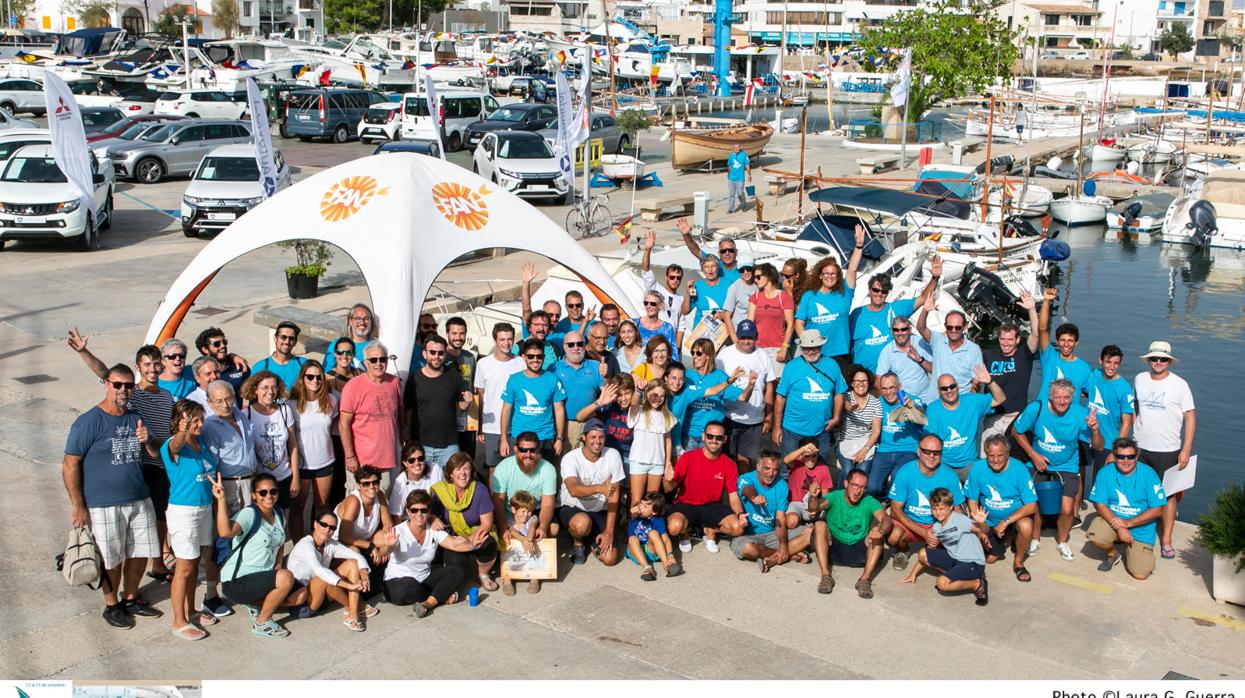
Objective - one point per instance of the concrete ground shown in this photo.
(721, 620)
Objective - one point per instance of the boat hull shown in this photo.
(1080, 210)
(695, 147)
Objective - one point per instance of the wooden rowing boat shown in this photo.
(696, 147)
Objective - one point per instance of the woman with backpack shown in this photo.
(250, 574)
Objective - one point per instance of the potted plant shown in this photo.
(631, 122)
(312, 257)
(1223, 534)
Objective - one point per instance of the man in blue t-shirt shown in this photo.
(871, 323)
(1111, 398)
(1057, 425)
(1129, 499)
(767, 540)
(809, 398)
(581, 380)
(534, 401)
(1000, 486)
(707, 295)
(900, 433)
(738, 169)
(1059, 359)
(103, 475)
(956, 417)
(282, 361)
(727, 256)
(909, 498)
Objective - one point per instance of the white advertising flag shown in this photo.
(562, 147)
(430, 94)
(264, 155)
(69, 148)
(903, 78)
(581, 132)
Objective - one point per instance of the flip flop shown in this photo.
(189, 631)
(762, 565)
(1022, 574)
(488, 583)
(162, 577)
(354, 624)
(1168, 553)
(206, 619)
(802, 558)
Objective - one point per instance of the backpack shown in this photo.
(223, 549)
(81, 563)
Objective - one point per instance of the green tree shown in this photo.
(225, 16)
(345, 16)
(1176, 39)
(168, 24)
(22, 8)
(958, 48)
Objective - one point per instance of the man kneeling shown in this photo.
(1129, 499)
(954, 549)
(767, 540)
(856, 527)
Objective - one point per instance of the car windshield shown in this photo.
(98, 118)
(33, 170)
(231, 169)
(525, 148)
(508, 114)
(135, 130)
(158, 134)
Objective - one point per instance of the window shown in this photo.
(1050, 20)
(218, 132)
(33, 170)
(232, 169)
(525, 148)
(247, 8)
(7, 149)
(239, 131)
(190, 135)
(1084, 20)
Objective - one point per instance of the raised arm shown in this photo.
(931, 302)
(650, 240)
(983, 377)
(1029, 303)
(853, 264)
(525, 291)
(685, 230)
(77, 342)
(1048, 296)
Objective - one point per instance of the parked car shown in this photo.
(1150, 57)
(1050, 56)
(14, 139)
(328, 112)
(530, 88)
(96, 119)
(126, 125)
(175, 148)
(459, 108)
(382, 121)
(39, 202)
(22, 95)
(7, 120)
(1079, 56)
(139, 102)
(204, 103)
(512, 117)
(224, 187)
(603, 126)
(522, 162)
(421, 147)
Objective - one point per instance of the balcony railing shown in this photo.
(308, 5)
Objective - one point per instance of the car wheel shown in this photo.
(9, 107)
(560, 201)
(475, 169)
(341, 134)
(108, 209)
(149, 171)
(623, 143)
(284, 130)
(190, 232)
(455, 143)
(87, 241)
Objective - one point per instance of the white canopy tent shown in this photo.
(402, 218)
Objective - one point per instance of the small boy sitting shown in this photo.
(647, 541)
(954, 549)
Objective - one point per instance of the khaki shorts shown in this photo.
(574, 430)
(125, 531)
(1138, 557)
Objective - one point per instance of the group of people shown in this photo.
(815, 433)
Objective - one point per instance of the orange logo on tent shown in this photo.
(345, 198)
(460, 205)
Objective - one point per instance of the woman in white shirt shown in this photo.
(315, 412)
(417, 474)
(326, 568)
(411, 547)
(362, 513)
(274, 431)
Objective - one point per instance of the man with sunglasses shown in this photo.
(702, 476)
(581, 379)
(1164, 408)
(539, 323)
(233, 368)
(953, 351)
(492, 373)
(599, 342)
(534, 400)
(370, 418)
(282, 362)
(1129, 499)
(909, 360)
(909, 499)
(672, 282)
(727, 256)
(956, 417)
(426, 327)
(576, 319)
(525, 471)
(103, 476)
(432, 398)
(809, 400)
(871, 323)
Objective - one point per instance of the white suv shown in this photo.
(224, 187)
(39, 202)
(523, 163)
(206, 104)
(381, 121)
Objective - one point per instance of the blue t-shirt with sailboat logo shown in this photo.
(958, 428)
(912, 488)
(828, 314)
(871, 330)
(1054, 366)
(999, 493)
(532, 400)
(1127, 496)
(1054, 436)
(1110, 400)
(809, 391)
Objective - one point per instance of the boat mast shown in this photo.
(609, 56)
(830, 73)
(782, 49)
(985, 188)
(1080, 145)
(1106, 76)
(803, 121)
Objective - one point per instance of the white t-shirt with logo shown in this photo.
(1161, 406)
(491, 377)
(751, 411)
(607, 468)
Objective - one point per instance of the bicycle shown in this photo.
(590, 218)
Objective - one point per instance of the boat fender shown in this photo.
(1054, 163)
(1089, 187)
(1055, 250)
(1132, 168)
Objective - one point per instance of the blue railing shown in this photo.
(926, 131)
(870, 87)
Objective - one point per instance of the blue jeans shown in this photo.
(847, 465)
(883, 466)
(439, 456)
(791, 441)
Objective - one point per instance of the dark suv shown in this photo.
(512, 117)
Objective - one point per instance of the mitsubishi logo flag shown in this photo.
(263, 138)
(903, 79)
(430, 94)
(69, 148)
(562, 146)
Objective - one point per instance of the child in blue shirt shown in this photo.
(647, 538)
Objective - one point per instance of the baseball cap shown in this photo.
(593, 424)
(746, 329)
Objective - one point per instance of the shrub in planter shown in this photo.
(1223, 527)
(312, 259)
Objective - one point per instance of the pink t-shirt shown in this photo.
(800, 477)
(769, 317)
(377, 410)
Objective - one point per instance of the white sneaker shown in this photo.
(711, 545)
(1034, 545)
(1065, 551)
(685, 545)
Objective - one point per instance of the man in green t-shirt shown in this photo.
(858, 526)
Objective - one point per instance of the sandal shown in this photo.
(206, 620)
(422, 610)
(269, 629)
(452, 600)
(354, 624)
(1022, 574)
(648, 575)
(1168, 552)
(826, 585)
(802, 558)
(162, 577)
(369, 610)
(762, 565)
(488, 583)
(864, 589)
(189, 631)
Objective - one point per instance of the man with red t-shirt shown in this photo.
(702, 476)
(371, 416)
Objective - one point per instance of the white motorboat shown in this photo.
(1214, 218)
(1033, 203)
(1142, 214)
(1152, 152)
(1081, 210)
(1108, 150)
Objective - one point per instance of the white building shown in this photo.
(305, 18)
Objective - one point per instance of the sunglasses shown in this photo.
(418, 510)
(947, 388)
(698, 353)
(674, 276)
(175, 357)
(287, 337)
(416, 459)
(435, 352)
(1125, 456)
(530, 449)
(219, 343)
(932, 451)
(876, 290)
(954, 328)
(313, 377)
(901, 329)
(713, 437)
(329, 527)
(727, 250)
(369, 483)
(343, 352)
(573, 344)
(788, 276)
(574, 305)
(651, 303)
(534, 357)
(267, 493)
(121, 385)
(378, 360)
(1158, 359)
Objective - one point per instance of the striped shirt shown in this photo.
(858, 424)
(155, 409)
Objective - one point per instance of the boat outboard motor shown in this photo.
(1016, 226)
(1131, 213)
(1002, 163)
(987, 291)
(1202, 222)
